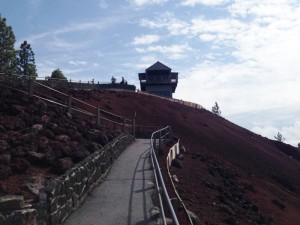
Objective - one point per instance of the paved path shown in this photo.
(124, 198)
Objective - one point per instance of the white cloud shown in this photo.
(262, 8)
(147, 2)
(176, 51)
(168, 22)
(207, 37)
(204, 2)
(103, 4)
(34, 3)
(76, 63)
(145, 39)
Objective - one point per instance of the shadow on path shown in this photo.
(124, 197)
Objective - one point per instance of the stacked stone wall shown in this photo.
(63, 195)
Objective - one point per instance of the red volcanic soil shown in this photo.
(229, 175)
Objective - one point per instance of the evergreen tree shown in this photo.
(8, 58)
(279, 137)
(58, 74)
(216, 110)
(26, 62)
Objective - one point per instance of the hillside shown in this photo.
(229, 175)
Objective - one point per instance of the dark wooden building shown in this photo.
(158, 79)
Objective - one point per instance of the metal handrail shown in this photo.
(158, 176)
(47, 98)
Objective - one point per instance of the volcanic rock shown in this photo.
(5, 171)
(35, 157)
(62, 165)
(19, 165)
(5, 159)
(176, 163)
(34, 184)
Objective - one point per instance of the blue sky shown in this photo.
(244, 54)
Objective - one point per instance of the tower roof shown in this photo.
(158, 66)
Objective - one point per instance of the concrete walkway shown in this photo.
(124, 198)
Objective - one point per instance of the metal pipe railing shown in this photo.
(5, 78)
(163, 135)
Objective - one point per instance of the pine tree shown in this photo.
(58, 74)
(26, 62)
(279, 137)
(216, 110)
(8, 58)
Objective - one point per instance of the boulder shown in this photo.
(57, 147)
(62, 138)
(66, 151)
(5, 159)
(154, 213)
(19, 165)
(92, 147)
(49, 156)
(103, 139)
(37, 127)
(42, 142)
(79, 154)
(176, 163)
(11, 202)
(62, 165)
(35, 157)
(18, 152)
(45, 119)
(5, 171)
(92, 135)
(20, 124)
(3, 146)
(2, 129)
(34, 184)
(180, 156)
(49, 134)
(51, 126)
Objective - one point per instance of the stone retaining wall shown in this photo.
(66, 193)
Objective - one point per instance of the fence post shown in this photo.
(31, 84)
(98, 116)
(124, 125)
(70, 104)
(133, 128)
(159, 140)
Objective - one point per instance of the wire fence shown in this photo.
(182, 102)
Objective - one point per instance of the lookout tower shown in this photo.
(158, 79)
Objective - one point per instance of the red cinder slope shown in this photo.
(230, 175)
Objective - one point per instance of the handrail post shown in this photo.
(31, 85)
(124, 125)
(70, 104)
(159, 140)
(98, 116)
(133, 128)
